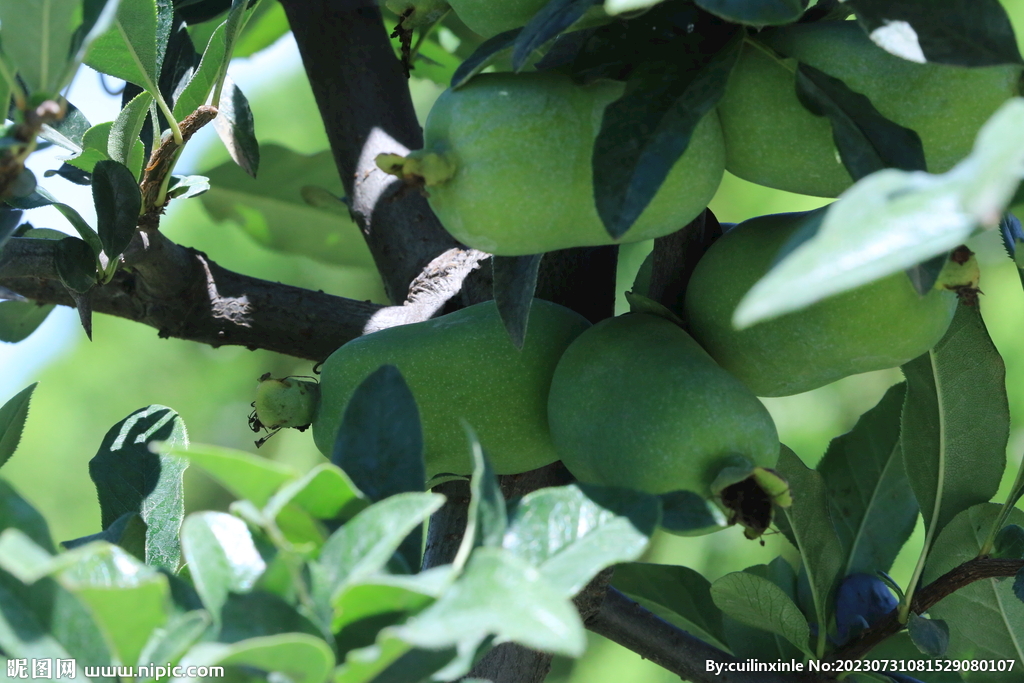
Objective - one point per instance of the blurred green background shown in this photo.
(87, 387)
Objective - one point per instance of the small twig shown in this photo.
(161, 161)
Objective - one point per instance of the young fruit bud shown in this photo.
(288, 402)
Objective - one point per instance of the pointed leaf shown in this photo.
(236, 128)
(985, 619)
(573, 532)
(12, 420)
(677, 594)
(127, 531)
(185, 186)
(553, 18)
(361, 609)
(500, 595)
(487, 52)
(956, 421)
(870, 498)
(380, 441)
(118, 205)
(221, 557)
(124, 134)
(245, 475)
(200, 85)
(486, 518)
(325, 492)
(37, 38)
(893, 220)
(366, 543)
(810, 523)
(866, 140)
(131, 48)
(977, 33)
(129, 477)
(645, 132)
(515, 280)
(757, 602)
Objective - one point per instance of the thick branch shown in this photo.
(675, 257)
(947, 584)
(634, 627)
(365, 103)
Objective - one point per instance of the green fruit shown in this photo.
(636, 402)
(772, 140)
(462, 366)
(880, 325)
(488, 18)
(288, 402)
(507, 163)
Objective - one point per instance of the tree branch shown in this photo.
(947, 584)
(634, 627)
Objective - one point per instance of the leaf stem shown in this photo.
(169, 115)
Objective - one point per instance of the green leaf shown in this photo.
(18, 513)
(127, 598)
(271, 209)
(486, 518)
(986, 620)
(757, 602)
(956, 420)
(687, 513)
(978, 33)
(257, 614)
(75, 263)
(391, 659)
(931, 636)
(872, 505)
(130, 49)
(363, 608)
(810, 523)
(37, 38)
(677, 594)
(96, 147)
(173, 640)
(570, 533)
(325, 492)
(186, 186)
(380, 441)
(19, 319)
(245, 475)
(127, 531)
(264, 28)
(866, 140)
(760, 13)
(68, 132)
(515, 280)
(893, 220)
(221, 557)
(366, 543)
(12, 420)
(200, 85)
(499, 594)
(296, 657)
(129, 477)
(236, 128)
(124, 134)
(486, 52)
(118, 205)
(644, 132)
(553, 18)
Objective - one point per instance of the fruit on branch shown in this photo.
(772, 140)
(507, 165)
(862, 600)
(287, 402)
(462, 366)
(636, 402)
(488, 18)
(879, 325)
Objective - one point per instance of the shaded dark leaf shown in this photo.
(761, 13)
(13, 414)
(9, 220)
(964, 33)
(931, 636)
(75, 263)
(19, 319)
(552, 19)
(924, 275)
(234, 125)
(380, 442)
(127, 531)
(483, 55)
(118, 204)
(866, 140)
(71, 173)
(515, 280)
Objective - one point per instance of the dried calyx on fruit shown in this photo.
(286, 402)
